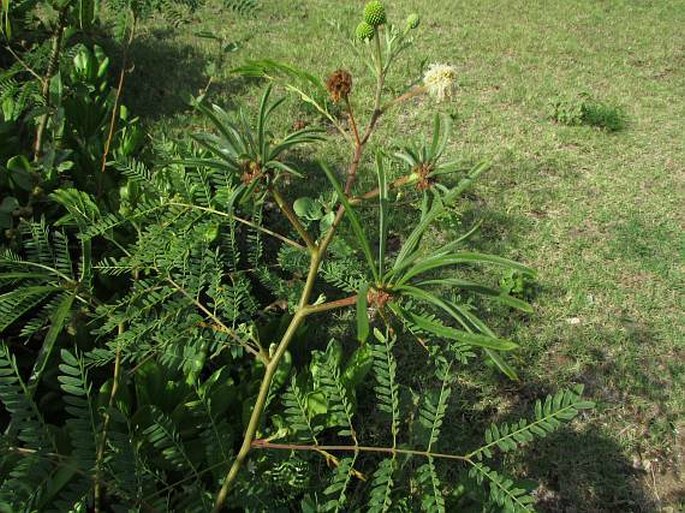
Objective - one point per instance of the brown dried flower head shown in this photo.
(378, 298)
(251, 171)
(423, 171)
(339, 84)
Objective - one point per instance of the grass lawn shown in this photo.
(599, 215)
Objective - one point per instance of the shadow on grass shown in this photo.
(584, 472)
(166, 74)
(580, 469)
(591, 470)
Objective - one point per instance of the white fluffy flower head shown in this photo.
(440, 80)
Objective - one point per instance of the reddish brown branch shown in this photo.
(117, 98)
(265, 444)
(332, 305)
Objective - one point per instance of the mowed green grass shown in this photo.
(598, 215)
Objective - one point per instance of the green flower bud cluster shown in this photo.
(374, 13)
(374, 16)
(412, 21)
(365, 32)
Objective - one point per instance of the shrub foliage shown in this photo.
(161, 318)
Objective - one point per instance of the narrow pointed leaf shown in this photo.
(354, 220)
(461, 258)
(450, 333)
(57, 321)
(495, 294)
(436, 209)
(383, 215)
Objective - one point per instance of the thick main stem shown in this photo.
(256, 416)
(271, 368)
(317, 255)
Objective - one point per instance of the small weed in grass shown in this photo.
(583, 110)
(518, 284)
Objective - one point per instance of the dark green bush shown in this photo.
(583, 110)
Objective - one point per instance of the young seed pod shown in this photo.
(413, 21)
(365, 32)
(374, 13)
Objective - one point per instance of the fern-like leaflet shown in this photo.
(26, 443)
(336, 492)
(339, 405)
(298, 414)
(387, 388)
(83, 425)
(431, 416)
(432, 499)
(382, 485)
(502, 490)
(549, 415)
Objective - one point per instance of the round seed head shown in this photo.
(374, 13)
(365, 32)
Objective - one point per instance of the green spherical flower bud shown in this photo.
(365, 31)
(374, 13)
(413, 21)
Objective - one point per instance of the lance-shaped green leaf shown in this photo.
(269, 69)
(57, 321)
(441, 135)
(383, 213)
(435, 210)
(479, 325)
(470, 286)
(439, 261)
(444, 250)
(354, 221)
(432, 299)
(437, 328)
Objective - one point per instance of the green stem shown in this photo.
(353, 123)
(246, 222)
(314, 264)
(53, 66)
(115, 107)
(256, 416)
(97, 491)
(23, 64)
(379, 53)
(224, 329)
(305, 97)
(416, 91)
(380, 81)
(373, 193)
(271, 367)
(292, 218)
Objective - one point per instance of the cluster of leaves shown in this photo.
(61, 118)
(149, 322)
